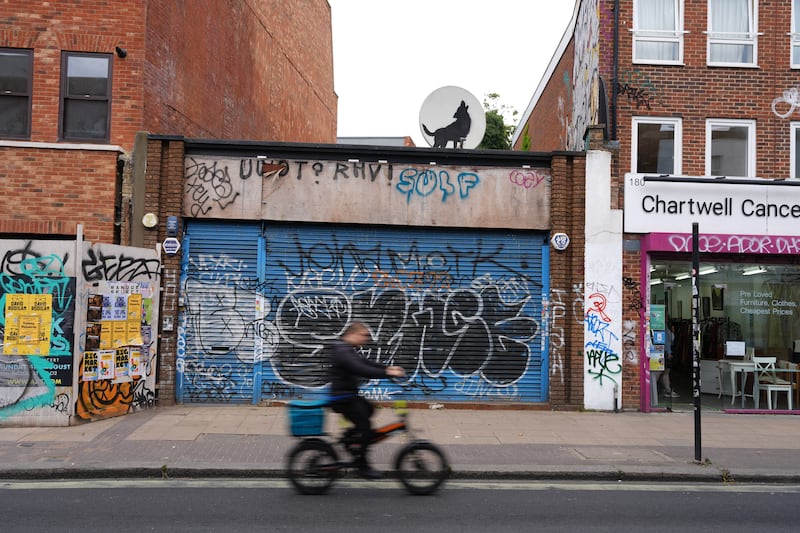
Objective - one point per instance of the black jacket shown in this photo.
(347, 369)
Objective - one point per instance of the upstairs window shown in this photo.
(732, 36)
(795, 36)
(656, 145)
(85, 97)
(658, 31)
(730, 148)
(16, 80)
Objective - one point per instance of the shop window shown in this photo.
(732, 32)
(658, 31)
(16, 79)
(753, 306)
(730, 148)
(656, 145)
(795, 35)
(795, 151)
(85, 96)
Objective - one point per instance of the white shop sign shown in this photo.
(721, 206)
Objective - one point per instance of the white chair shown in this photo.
(765, 379)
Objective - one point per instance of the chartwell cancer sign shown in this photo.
(656, 204)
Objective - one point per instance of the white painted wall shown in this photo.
(603, 355)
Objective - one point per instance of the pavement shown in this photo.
(251, 441)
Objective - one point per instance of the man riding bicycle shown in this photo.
(347, 369)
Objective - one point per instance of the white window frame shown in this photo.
(749, 38)
(677, 148)
(794, 36)
(751, 143)
(676, 36)
(793, 149)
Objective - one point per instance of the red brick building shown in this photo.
(696, 101)
(79, 79)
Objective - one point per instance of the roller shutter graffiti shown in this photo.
(460, 310)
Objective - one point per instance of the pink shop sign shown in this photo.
(723, 244)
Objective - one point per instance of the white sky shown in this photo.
(389, 55)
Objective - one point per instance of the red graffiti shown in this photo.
(598, 305)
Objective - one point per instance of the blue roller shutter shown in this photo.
(461, 310)
(216, 341)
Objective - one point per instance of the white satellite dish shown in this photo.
(452, 117)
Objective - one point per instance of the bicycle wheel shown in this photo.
(422, 467)
(312, 466)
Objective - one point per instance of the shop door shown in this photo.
(459, 310)
(219, 314)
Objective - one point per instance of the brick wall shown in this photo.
(566, 274)
(695, 91)
(49, 192)
(164, 196)
(245, 70)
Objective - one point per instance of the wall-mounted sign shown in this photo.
(172, 226)
(452, 117)
(560, 241)
(719, 206)
(171, 246)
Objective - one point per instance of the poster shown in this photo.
(136, 367)
(89, 372)
(119, 333)
(105, 364)
(28, 322)
(656, 358)
(105, 335)
(121, 364)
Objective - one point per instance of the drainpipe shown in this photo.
(615, 68)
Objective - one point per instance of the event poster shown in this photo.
(105, 364)
(28, 322)
(89, 372)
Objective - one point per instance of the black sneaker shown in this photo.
(368, 473)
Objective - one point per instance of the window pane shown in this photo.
(15, 72)
(14, 116)
(656, 148)
(662, 51)
(87, 76)
(730, 16)
(729, 150)
(795, 55)
(85, 119)
(732, 53)
(656, 15)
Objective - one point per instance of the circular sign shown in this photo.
(560, 241)
(452, 117)
(171, 245)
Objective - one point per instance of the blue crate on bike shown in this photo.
(307, 417)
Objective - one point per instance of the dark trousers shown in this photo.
(358, 410)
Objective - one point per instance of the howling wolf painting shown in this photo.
(456, 131)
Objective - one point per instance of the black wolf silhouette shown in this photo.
(456, 131)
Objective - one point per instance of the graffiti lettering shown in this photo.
(528, 179)
(425, 182)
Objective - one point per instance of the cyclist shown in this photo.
(347, 369)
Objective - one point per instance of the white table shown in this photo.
(736, 366)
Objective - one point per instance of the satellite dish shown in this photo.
(452, 116)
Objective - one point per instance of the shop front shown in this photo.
(748, 280)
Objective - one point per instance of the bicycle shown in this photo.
(313, 464)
